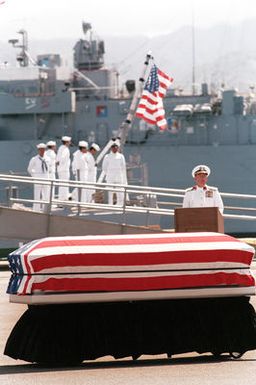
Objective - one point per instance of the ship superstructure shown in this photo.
(39, 102)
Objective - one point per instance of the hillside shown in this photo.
(223, 54)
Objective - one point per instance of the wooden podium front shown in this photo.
(198, 219)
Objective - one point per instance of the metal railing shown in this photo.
(139, 196)
(138, 199)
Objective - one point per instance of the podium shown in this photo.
(198, 219)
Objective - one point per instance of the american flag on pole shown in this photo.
(150, 107)
(127, 267)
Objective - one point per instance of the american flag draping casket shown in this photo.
(130, 267)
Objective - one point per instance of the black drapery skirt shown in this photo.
(71, 333)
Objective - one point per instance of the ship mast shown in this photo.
(22, 57)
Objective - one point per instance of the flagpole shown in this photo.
(125, 126)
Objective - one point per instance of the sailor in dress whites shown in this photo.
(74, 168)
(80, 166)
(51, 154)
(202, 195)
(114, 167)
(39, 168)
(63, 166)
(92, 169)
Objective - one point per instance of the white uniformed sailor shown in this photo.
(92, 168)
(74, 166)
(202, 195)
(80, 166)
(63, 166)
(51, 153)
(114, 167)
(39, 168)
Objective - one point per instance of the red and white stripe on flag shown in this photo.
(150, 107)
(141, 262)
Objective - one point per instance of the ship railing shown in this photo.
(139, 199)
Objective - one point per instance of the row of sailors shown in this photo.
(47, 161)
(84, 169)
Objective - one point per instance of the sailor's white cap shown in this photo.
(201, 169)
(41, 145)
(95, 146)
(51, 143)
(116, 143)
(66, 138)
(83, 143)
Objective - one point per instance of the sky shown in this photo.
(45, 19)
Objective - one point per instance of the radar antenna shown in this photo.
(22, 58)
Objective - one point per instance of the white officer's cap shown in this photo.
(83, 143)
(66, 138)
(201, 169)
(41, 145)
(51, 143)
(95, 146)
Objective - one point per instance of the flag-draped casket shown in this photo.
(128, 295)
(131, 267)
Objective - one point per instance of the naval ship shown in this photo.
(41, 102)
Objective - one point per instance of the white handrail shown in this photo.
(175, 197)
